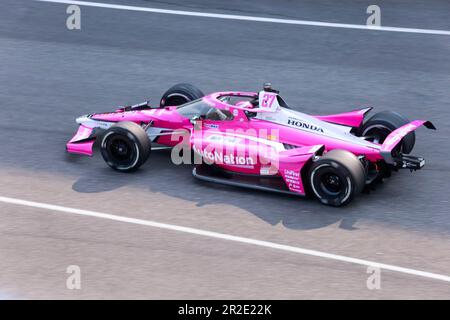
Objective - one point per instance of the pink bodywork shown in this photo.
(351, 119)
(248, 153)
(397, 135)
(80, 142)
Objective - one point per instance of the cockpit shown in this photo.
(199, 108)
(218, 106)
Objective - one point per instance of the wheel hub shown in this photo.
(120, 149)
(331, 184)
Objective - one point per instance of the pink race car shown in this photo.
(255, 140)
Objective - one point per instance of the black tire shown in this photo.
(336, 177)
(125, 146)
(180, 94)
(381, 124)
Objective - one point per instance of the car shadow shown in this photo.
(160, 175)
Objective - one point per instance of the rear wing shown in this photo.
(394, 138)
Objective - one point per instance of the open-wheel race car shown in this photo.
(254, 139)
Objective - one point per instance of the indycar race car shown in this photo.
(254, 139)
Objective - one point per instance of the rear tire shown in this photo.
(381, 124)
(336, 177)
(180, 94)
(125, 146)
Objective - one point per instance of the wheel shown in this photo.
(381, 124)
(180, 94)
(125, 146)
(336, 177)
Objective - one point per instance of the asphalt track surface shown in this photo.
(50, 75)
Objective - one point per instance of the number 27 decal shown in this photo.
(267, 100)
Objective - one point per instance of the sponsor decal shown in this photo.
(304, 125)
(218, 157)
(222, 139)
(292, 179)
(212, 126)
(267, 170)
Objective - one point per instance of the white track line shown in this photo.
(250, 18)
(224, 236)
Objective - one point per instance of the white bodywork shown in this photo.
(270, 110)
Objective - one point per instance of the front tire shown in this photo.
(125, 146)
(180, 94)
(337, 177)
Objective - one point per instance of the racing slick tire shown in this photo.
(180, 94)
(336, 177)
(125, 146)
(381, 124)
